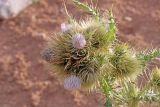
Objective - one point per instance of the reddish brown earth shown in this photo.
(24, 79)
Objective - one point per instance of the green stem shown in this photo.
(108, 102)
(134, 103)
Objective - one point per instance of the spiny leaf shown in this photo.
(146, 57)
(111, 20)
(112, 26)
(87, 8)
(105, 86)
(150, 96)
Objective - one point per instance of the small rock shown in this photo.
(11, 8)
(128, 18)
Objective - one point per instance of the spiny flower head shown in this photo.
(124, 62)
(78, 41)
(80, 51)
(72, 82)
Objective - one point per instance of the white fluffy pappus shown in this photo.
(78, 41)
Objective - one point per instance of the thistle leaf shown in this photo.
(151, 96)
(90, 9)
(112, 26)
(146, 57)
(104, 86)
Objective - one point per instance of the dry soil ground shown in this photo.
(24, 79)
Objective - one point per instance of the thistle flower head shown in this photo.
(124, 63)
(72, 82)
(65, 27)
(47, 54)
(78, 41)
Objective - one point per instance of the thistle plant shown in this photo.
(86, 54)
